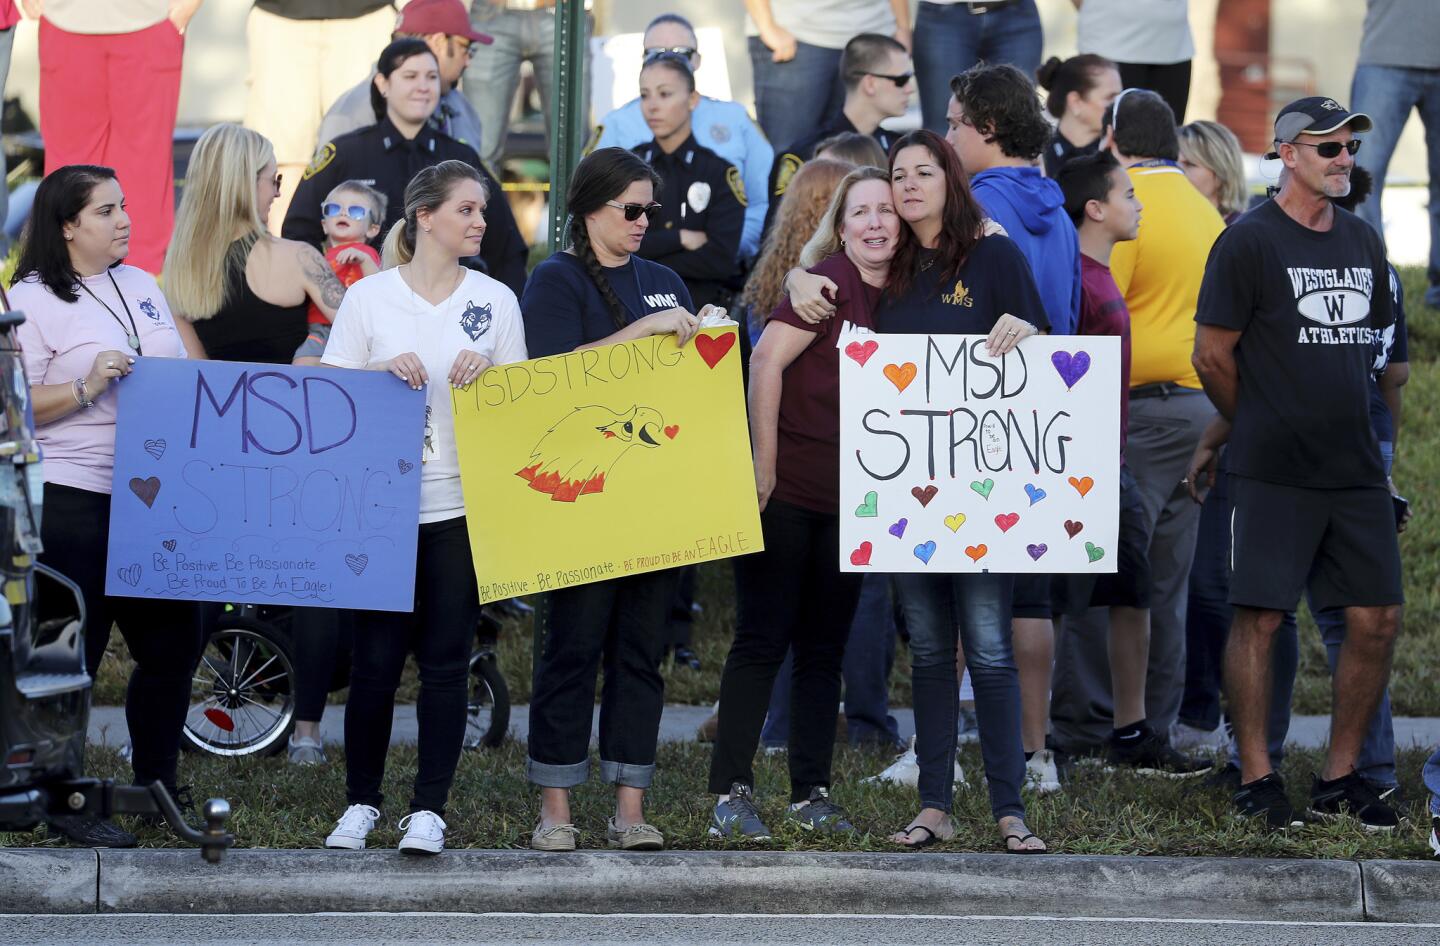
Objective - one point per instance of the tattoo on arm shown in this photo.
(328, 289)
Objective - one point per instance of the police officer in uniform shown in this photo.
(702, 197)
(879, 80)
(399, 145)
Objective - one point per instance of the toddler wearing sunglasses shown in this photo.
(350, 218)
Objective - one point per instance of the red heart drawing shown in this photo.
(1006, 521)
(1073, 527)
(924, 495)
(672, 430)
(976, 552)
(861, 351)
(712, 348)
(861, 556)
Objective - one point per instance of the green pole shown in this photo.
(567, 129)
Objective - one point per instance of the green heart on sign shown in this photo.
(870, 508)
(983, 488)
(1094, 551)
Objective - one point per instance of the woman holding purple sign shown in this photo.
(87, 318)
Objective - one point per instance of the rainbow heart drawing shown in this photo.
(870, 508)
(1037, 550)
(860, 352)
(897, 529)
(1034, 492)
(1094, 551)
(923, 496)
(983, 488)
(953, 523)
(1007, 520)
(1071, 367)
(861, 556)
(924, 551)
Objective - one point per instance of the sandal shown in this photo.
(1020, 839)
(931, 837)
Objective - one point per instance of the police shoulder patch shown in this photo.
(321, 161)
(737, 185)
(789, 164)
(594, 140)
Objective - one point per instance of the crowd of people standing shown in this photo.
(369, 250)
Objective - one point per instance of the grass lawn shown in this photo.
(491, 806)
(1413, 686)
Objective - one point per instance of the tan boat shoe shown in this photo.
(555, 837)
(637, 837)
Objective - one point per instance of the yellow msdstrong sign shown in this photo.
(606, 462)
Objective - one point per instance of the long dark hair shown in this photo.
(58, 200)
(961, 221)
(602, 176)
(391, 58)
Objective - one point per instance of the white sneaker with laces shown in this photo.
(1041, 774)
(424, 833)
(351, 829)
(905, 770)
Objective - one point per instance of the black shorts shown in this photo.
(1030, 597)
(1341, 544)
(1129, 586)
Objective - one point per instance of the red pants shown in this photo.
(111, 100)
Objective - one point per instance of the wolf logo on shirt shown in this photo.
(148, 307)
(1333, 299)
(475, 320)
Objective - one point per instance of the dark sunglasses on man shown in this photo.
(1329, 149)
(633, 211)
(355, 211)
(687, 51)
(902, 80)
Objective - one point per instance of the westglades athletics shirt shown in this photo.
(381, 318)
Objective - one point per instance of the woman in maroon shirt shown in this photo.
(793, 594)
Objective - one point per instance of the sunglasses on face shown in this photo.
(633, 211)
(902, 80)
(687, 51)
(275, 181)
(1330, 149)
(354, 211)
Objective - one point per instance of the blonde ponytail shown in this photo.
(399, 246)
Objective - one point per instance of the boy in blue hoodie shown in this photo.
(998, 130)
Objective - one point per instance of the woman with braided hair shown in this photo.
(599, 292)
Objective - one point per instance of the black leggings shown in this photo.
(1171, 82)
(164, 637)
(440, 632)
(319, 636)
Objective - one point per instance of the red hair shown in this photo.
(961, 220)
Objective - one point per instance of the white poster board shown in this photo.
(953, 461)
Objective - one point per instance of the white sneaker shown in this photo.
(1184, 738)
(424, 833)
(351, 829)
(905, 770)
(1041, 774)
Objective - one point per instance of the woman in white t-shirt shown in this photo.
(430, 322)
(88, 318)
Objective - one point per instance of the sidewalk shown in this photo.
(678, 724)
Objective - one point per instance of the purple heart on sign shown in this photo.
(1071, 367)
(1037, 550)
(898, 529)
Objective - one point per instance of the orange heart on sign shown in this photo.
(901, 375)
(976, 552)
(1082, 485)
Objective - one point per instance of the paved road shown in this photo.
(503, 929)
(107, 726)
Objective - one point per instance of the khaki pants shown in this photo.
(298, 68)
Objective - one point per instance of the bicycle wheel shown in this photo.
(243, 691)
(487, 717)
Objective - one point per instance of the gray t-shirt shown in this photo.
(829, 23)
(1401, 33)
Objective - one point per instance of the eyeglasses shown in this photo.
(687, 51)
(468, 47)
(633, 211)
(902, 80)
(1328, 149)
(275, 181)
(355, 211)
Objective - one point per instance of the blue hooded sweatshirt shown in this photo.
(1031, 208)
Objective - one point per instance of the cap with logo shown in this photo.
(1315, 115)
(423, 17)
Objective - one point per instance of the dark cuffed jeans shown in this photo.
(977, 606)
(440, 632)
(793, 594)
(620, 624)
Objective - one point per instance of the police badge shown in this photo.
(698, 196)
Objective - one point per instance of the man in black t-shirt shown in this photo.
(1294, 297)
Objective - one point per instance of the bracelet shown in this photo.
(82, 396)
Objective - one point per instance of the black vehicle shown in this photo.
(44, 684)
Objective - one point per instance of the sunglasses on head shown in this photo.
(633, 211)
(1329, 149)
(686, 51)
(355, 211)
(902, 80)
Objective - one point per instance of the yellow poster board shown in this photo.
(606, 462)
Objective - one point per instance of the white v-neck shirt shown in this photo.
(381, 317)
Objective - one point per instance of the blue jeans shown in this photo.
(7, 42)
(1431, 774)
(1387, 94)
(950, 39)
(978, 606)
(869, 658)
(796, 98)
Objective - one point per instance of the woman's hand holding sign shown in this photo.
(674, 321)
(468, 366)
(408, 368)
(108, 366)
(1008, 332)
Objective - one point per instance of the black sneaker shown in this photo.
(1265, 798)
(91, 832)
(1353, 797)
(183, 800)
(685, 657)
(1389, 794)
(1150, 753)
(738, 818)
(820, 814)
(1225, 777)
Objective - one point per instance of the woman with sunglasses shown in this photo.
(599, 291)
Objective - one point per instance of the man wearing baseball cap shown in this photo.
(1295, 294)
(445, 26)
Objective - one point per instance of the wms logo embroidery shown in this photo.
(958, 296)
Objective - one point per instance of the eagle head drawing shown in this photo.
(575, 456)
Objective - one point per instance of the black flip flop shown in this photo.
(1022, 838)
(931, 837)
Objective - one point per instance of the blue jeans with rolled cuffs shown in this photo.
(620, 624)
(976, 608)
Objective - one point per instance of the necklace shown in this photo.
(427, 443)
(133, 337)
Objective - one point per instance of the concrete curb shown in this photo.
(1401, 891)
(46, 881)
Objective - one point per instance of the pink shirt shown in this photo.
(60, 341)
